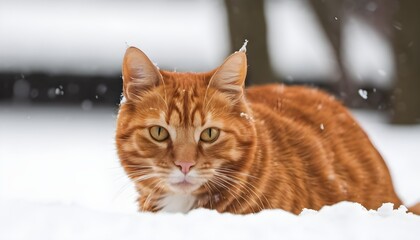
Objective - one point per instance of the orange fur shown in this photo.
(279, 147)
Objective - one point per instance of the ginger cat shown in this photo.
(190, 140)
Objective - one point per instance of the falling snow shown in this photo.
(363, 93)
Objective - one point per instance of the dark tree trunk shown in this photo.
(406, 105)
(330, 15)
(247, 21)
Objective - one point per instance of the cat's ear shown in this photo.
(230, 76)
(139, 74)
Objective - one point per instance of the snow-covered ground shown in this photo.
(60, 179)
(21, 220)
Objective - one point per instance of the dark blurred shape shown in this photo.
(43, 88)
(378, 14)
(246, 19)
(396, 20)
(406, 96)
(21, 90)
(330, 15)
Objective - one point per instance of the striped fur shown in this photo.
(279, 147)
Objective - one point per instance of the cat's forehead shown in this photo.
(185, 107)
(185, 98)
(184, 101)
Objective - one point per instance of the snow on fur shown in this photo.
(243, 48)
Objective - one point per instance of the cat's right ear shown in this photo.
(139, 74)
(230, 77)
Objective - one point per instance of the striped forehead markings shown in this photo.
(185, 106)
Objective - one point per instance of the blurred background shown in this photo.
(60, 78)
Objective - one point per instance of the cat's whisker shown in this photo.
(210, 187)
(248, 187)
(204, 176)
(221, 173)
(210, 194)
(227, 170)
(218, 183)
(245, 185)
(139, 166)
(221, 177)
(114, 167)
(156, 186)
(141, 170)
(238, 190)
(240, 180)
(144, 171)
(136, 174)
(123, 188)
(145, 177)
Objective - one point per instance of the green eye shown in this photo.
(159, 133)
(210, 135)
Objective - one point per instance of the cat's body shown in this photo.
(192, 140)
(319, 154)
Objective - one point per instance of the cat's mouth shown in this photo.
(184, 185)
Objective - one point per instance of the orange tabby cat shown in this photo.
(190, 140)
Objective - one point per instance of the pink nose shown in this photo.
(185, 166)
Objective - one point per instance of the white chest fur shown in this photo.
(177, 203)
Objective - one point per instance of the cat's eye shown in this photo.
(159, 133)
(210, 135)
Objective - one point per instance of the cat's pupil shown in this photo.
(209, 132)
(159, 130)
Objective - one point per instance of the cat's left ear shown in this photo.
(230, 76)
(139, 74)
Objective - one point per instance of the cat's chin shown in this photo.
(184, 187)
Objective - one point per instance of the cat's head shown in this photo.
(182, 132)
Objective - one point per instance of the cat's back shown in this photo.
(304, 107)
(315, 132)
(301, 104)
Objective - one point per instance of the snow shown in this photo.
(243, 48)
(60, 179)
(246, 116)
(25, 220)
(363, 93)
